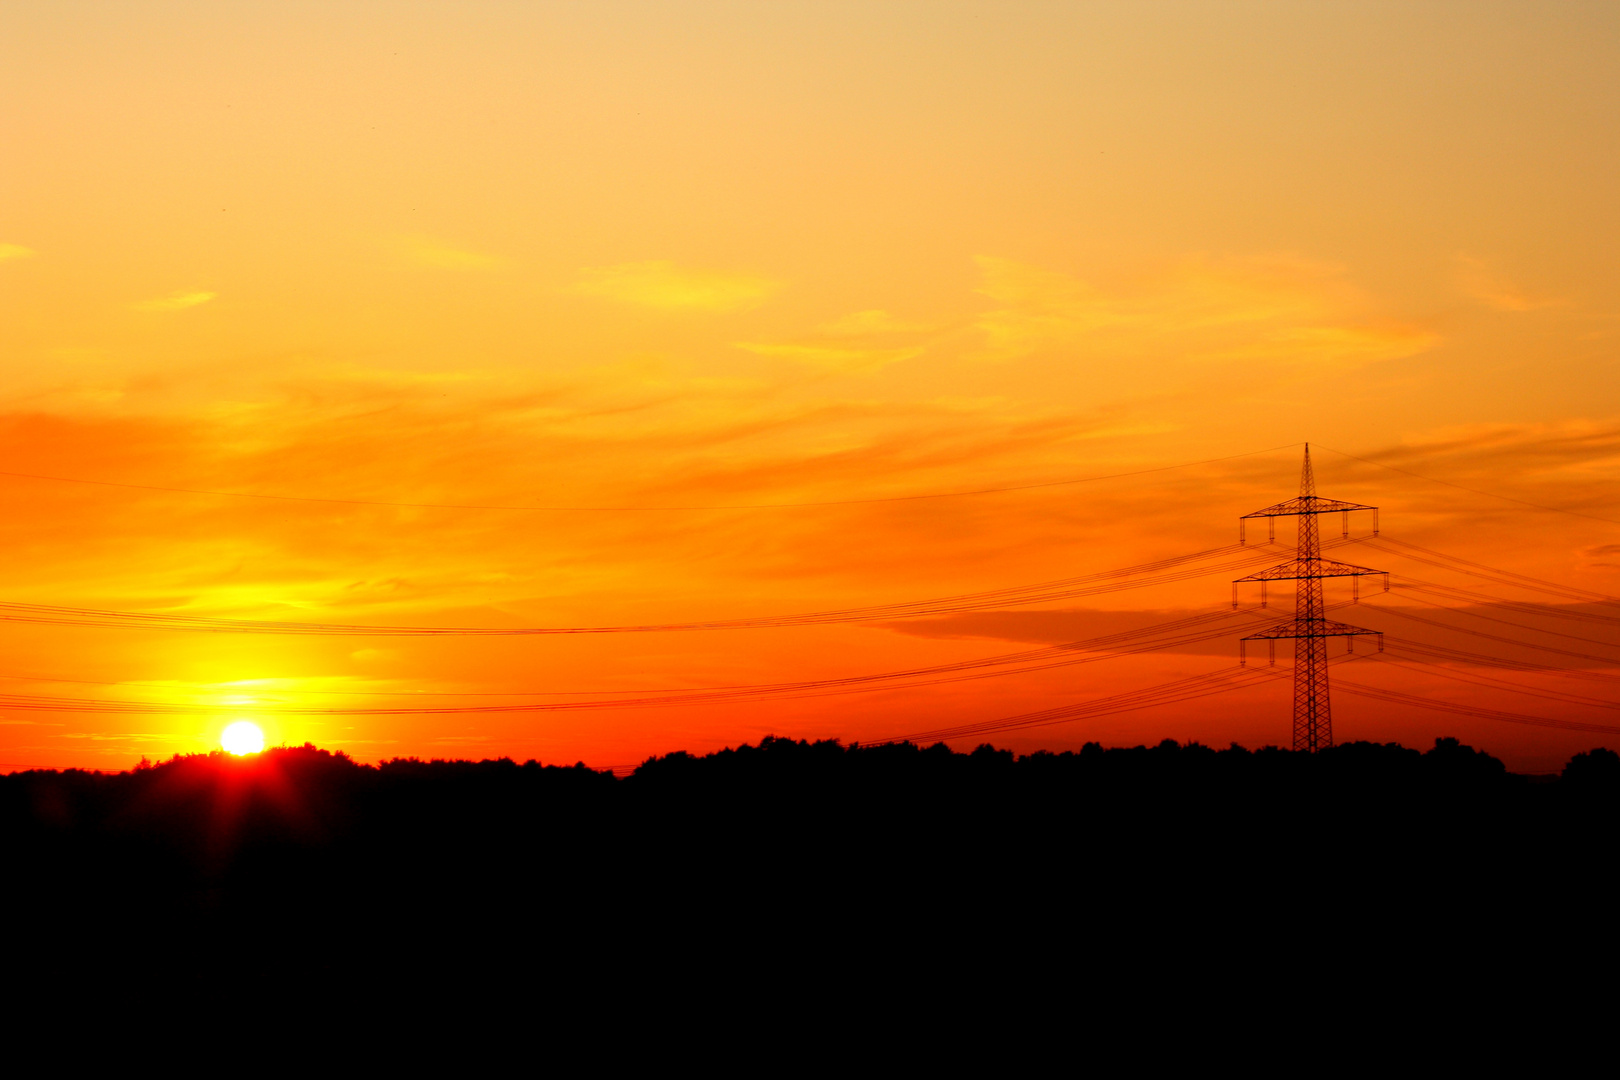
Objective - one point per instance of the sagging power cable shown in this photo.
(1408, 588)
(1158, 572)
(1487, 572)
(1179, 632)
(1395, 697)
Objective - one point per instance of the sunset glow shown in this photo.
(242, 738)
(683, 328)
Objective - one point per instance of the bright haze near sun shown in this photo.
(633, 260)
(241, 738)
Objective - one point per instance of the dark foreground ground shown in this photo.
(795, 863)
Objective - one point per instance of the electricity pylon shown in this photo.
(1313, 715)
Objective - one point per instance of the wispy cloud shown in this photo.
(1602, 555)
(1039, 308)
(1336, 344)
(14, 251)
(863, 323)
(1278, 308)
(391, 377)
(667, 287)
(1572, 465)
(846, 358)
(1577, 444)
(1485, 283)
(438, 255)
(177, 302)
(861, 342)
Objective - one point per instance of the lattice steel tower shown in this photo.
(1313, 716)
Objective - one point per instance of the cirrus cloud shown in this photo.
(858, 343)
(1273, 308)
(438, 255)
(663, 285)
(846, 358)
(177, 302)
(1489, 286)
(1335, 344)
(863, 323)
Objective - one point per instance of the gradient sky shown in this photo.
(650, 256)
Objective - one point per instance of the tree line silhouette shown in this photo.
(302, 864)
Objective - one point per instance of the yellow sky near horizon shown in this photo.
(640, 255)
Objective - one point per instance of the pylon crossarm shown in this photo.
(1309, 628)
(1300, 570)
(1307, 504)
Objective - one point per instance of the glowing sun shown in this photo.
(242, 738)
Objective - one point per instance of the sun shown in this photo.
(241, 738)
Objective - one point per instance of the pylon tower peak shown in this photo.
(1310, 628)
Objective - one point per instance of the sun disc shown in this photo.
(241, 738)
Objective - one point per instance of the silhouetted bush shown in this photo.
(1596, 769)
(779, 854)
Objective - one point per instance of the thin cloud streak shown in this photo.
(1280, 309)
(663, 286)
(425, 251)
(177, 302)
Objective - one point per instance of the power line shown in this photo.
(1141, 575)
(1602, 661)
(1476, 491)
(1429, 667)
(1186, 689)
(1189, 688)
(1212, 683)
(637, 509)
(1509, 622)
(1474, 659)
(1105, 646)
(1491, 573)
(1151, 638)
(1479, 599)
(1395, 697)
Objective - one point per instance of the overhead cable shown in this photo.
(1430, 667)
(1474, 490)
(1474, 659)
(1178, 632)
(641, 509)
(1394, 697)
(1488, 572)
(1474, 597)
(1142, 575)
(1601, 661)
(1410, 590)
(1186, 689)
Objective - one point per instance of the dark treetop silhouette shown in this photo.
(817, 878)
(300, 861)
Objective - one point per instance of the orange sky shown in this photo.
(644, 256)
